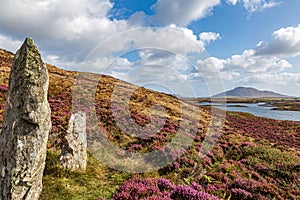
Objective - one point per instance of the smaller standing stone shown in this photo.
(73, 155)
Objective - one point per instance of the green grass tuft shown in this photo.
(62, 184)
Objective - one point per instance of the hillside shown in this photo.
(249, 92)
(254, 157)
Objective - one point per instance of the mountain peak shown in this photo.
(248, 92)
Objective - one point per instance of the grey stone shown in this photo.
(74, 144)
(27, 123)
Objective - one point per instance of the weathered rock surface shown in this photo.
(73, 155)
(26, 127)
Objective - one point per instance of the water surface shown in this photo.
(258, 109)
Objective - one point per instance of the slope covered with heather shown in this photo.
(254, 157)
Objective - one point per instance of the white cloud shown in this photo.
(280, 79)
(172, 38)
(137, 19)
(211, 67)
(181, 12)
(8, 43)
(67, 33)
(233, 2)
(285, 43)
(157, 76)
(258, 5)
(229, 76)
(50, 17)
(208, 37)
(211, 64)
(163, 58)
(250, 62)
(107, 65)
(61, 28)
(252, 6)
(156, 45)
(246, 62)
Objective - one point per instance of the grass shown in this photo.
(273, 162)
(62, 184)
(239, 114)
(97, 181)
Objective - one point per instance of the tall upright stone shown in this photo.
(74, 144)
(26, 126)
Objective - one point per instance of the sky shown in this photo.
(183, 47)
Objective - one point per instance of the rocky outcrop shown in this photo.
(26, 126)
(73, 155)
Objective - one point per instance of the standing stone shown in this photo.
(26, 127)
(73, 154)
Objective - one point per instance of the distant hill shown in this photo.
(249, 92)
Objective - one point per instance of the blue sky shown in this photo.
(191, 48)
